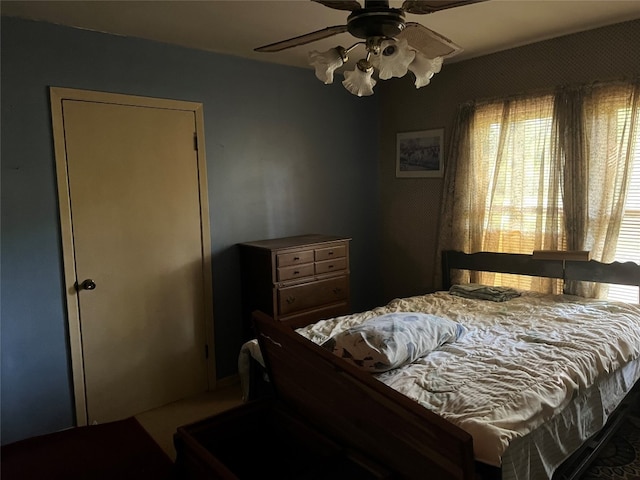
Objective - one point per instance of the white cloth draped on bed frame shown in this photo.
(531, 376)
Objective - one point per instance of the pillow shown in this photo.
(392, 340)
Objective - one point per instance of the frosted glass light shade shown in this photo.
(394, 59)
(424, 68)
(326, 63)
(359, 81)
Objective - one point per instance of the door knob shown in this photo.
(88, 284)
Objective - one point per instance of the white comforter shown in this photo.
(518, 364)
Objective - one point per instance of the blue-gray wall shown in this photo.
(286, 155)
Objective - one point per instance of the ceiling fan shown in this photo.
(393, 45)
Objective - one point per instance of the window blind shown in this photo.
(518, 188)
(628, 249)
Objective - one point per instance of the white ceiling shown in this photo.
(236, 27)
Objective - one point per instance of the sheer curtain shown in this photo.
(544, 171)
(610, 118)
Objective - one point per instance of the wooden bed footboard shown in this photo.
(360, 412)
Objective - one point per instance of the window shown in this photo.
(520, 183)
(512, 151)
(628, 249)
(553, 172)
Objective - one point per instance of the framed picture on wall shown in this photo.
(420, 154)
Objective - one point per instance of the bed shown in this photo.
(518, 386)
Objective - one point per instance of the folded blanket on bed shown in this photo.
(484, 292)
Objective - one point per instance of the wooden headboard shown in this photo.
(627, 273)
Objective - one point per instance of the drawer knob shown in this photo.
(296, 272)
(295, 259)
(291, 299)
(337, 290)
(329, 266)
(330, 252)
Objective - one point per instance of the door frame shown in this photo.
(57, 96)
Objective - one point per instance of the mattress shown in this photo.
(531, 376)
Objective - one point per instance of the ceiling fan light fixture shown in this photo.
(394, 46)
(325, 63)
(375, 22)
(394, 59)
(424, 69)
(359, 81)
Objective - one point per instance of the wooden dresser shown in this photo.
(296, 280)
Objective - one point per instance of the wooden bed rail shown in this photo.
(627, 273)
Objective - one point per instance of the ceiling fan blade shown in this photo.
(303, 39)
(421, 7)
(428, 42)
(349, 5)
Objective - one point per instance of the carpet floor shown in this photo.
(124, 450)
(620, 457)
(120, 450)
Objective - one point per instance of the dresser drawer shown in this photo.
(295, 271)
(330, 252)
(329, 266)
(295, 258)
(313, 294)
(283, 277)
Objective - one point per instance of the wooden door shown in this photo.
(139, 248)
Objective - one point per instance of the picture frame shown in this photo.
(420, 154)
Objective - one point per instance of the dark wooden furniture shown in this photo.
(296, 280)
(627, 273)
(328, 420)
(264, 439)
(374, 429)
